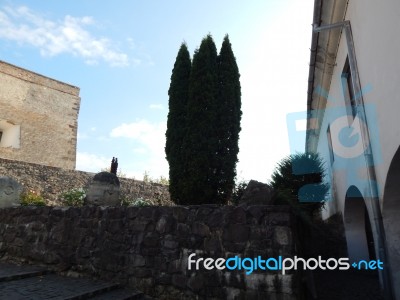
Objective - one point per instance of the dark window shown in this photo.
(1, 134)
(331, 154)
(348, 89)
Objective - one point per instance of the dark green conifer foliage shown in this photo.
(176, 124)
(229, 116)
(291, 178)
(204, 124)
(201, 142)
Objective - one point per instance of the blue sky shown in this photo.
(121, 54)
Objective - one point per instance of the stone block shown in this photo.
(282, 235)
(142, 272)
(213, 244)
(169, 242)
(151, 239)
(236, 216)
(10, 191)
(104, 190)
(180, 213)
(215, 219)
(163, 278)
(165, 224)
(183, 230)
(236, 233)
(196, 282)
(200, 229)
(257, 193)
(179, 280)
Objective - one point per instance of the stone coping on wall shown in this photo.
(51, 182)
(32, 77)
(148, 247)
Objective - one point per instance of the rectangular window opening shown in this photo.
(9, 134)
(348, 89)
(330, 145)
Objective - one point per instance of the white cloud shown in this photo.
(140, 150)
(91, 162)
(131, 43)
(149, 135)
(103, 138)
(150, 138)
(156, 106)
(22, 25)
(82, 136)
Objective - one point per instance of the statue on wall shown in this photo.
(114, 166)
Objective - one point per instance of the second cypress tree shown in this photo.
(201, 142)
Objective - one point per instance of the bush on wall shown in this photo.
(74, 197)
(135, 202)
(31, 197)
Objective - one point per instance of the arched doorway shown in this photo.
(391, 219)
(360, 242)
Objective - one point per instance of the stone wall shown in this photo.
(148, 247)
(50, 182)
(41, 115)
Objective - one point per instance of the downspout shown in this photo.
(368, 154)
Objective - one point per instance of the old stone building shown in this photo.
(38, 118)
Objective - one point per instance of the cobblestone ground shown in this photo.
(347, 285)
(34, 283)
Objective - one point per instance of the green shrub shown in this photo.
(295, 172)
(141, 202)
(32, 198)
(136, 202)
(125, 201)
(238, 191)
(74, 197)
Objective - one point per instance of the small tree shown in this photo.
(298, 181)
(238, 191)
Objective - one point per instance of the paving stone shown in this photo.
(121, 294)
(12, 271)
(22, 282)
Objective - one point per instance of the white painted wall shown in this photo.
(375, 28)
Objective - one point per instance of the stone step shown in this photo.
(34, 283)
(120, 294)
(10, 272)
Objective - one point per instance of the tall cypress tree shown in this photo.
(229, 116)
(204, 124)
(201, 143)
(176, 124)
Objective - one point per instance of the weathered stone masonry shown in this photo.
(44, 114)
(51, 182)
(148, 247)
